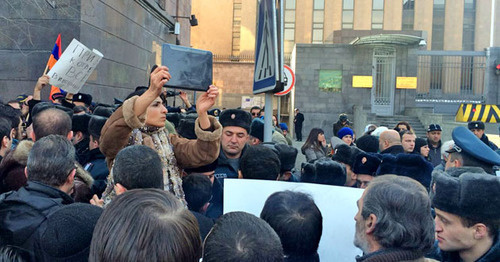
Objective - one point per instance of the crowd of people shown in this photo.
(141, 181)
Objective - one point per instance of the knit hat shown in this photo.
(236, 117)
(345, 131)
(419, 143)
(257, 128)
(410, 165)
(471, 195)
(368, 143)
(81, 97)
(68, 233)
(366, 164)
(287, 155)
(284, 126)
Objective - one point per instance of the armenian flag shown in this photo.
(54, 56)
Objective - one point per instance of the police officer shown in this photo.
(477, 127)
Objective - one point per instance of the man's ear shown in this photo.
(480, 231)
(71, 177)
(240, 176)
(5, 142)
(12, 133)
(370, 223)
(26, 172)
(119, 189)
(69, 136)
(32, 135)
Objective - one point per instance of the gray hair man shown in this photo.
(394, 220)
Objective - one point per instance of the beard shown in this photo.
(360, 238)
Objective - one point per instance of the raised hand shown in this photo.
(159, 77)
(207, 100)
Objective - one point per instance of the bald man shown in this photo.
(390, 143)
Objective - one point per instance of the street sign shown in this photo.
(266, 50)
(289, 80)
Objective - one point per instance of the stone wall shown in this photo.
(128, 33)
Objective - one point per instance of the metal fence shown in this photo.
(451, 76)
(241, 59)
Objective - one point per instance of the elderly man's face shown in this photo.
(360, 240)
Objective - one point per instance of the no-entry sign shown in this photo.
(290, 81)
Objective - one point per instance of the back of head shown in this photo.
(197, 190)
(80, 123)
(287, 156)
(239, 236)
(391, 136)
(51, 121)
(146, 225)
(138, 166)
(5, 128)
(345, 154)
(297, 221)
(260, 162)
(10, 113)
(68, 233)
(51, 160)
(403, 212)
(329, 172)
(368, 143)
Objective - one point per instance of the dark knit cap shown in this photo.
(419, 143)
(96, 123)
(257, 128)
(366, 164)
(67, 233)
(471, 195)
(80, 123)
(287, 155)
(410, 165)
(81, 97)
(475, 125)
(368, 143)
(186, 128)
(235, 117)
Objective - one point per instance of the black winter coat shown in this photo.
(98, 169)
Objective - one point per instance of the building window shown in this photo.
(469, 25)
(378, 14)
(347, 14)
(289, 23)
(236, 28)
(318, 20)
(438, 25)
(408, 14)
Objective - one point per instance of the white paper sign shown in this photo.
(74, 67)
(337, 205)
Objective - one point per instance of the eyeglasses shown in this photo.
(255, 114)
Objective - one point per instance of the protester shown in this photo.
(146, 225)
(287, 155)
(347, 135)
(434, 142)
(284, 129)
(141, 120)
(12, 175)
(467, 212)
(255, 111)
(5, 137)
(346, 154)
(368, 143)
(408, 141)
(477, 127)
(315, 145)
(51, 172)
(198, 191)
(239, 236)
(257, 134)
(81, 139)
(403, 126)
(329, 172)
(390, 142)
(394, 221)
(96, 161)
(260, 162)
(421, 148)
(298, 222)
(409, 165)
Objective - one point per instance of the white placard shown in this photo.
(337, 205)
(74, 67)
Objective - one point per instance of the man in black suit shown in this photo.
(299, 119)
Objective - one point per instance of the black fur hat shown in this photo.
(80, 123)
(81, 97)
(235, 117)
(366, 164)
(345, 154)
(257, 128)
(368, 143)
(95, 126)
(186, 128)
(471, 195)
(329, 172)
(410, 165)
(287, 155)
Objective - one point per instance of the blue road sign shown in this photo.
(266, 72)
